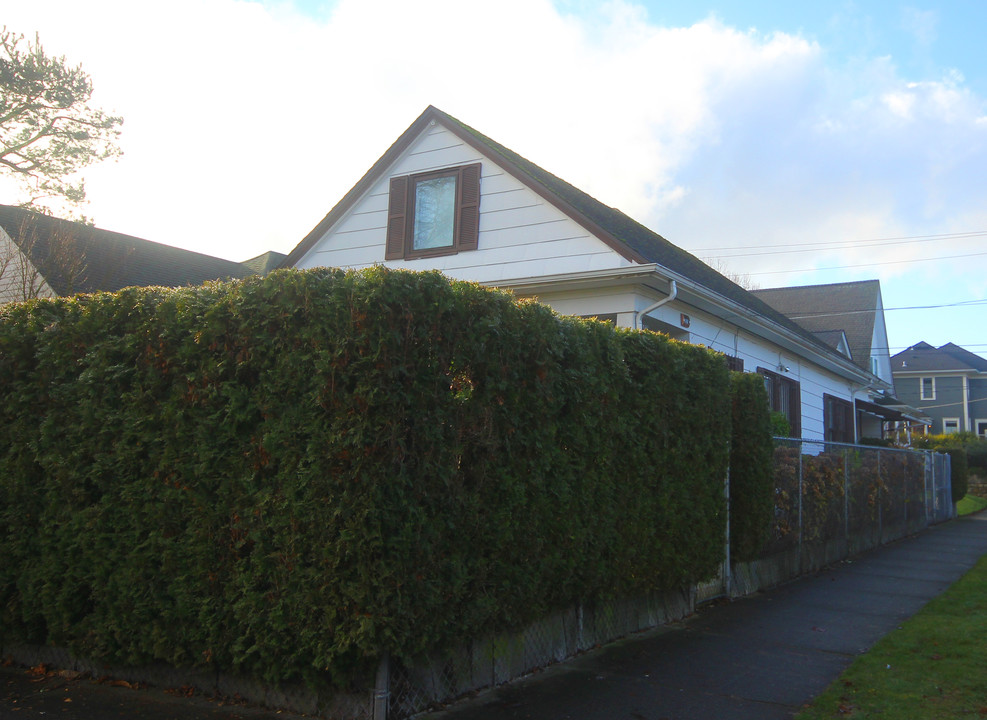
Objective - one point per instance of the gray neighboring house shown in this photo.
(42, 256)
(947, 383)
(849, 317)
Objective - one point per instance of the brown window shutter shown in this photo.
(469, 207)
(397, 221)
(795, 409)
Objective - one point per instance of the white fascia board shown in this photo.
(734, 313)
(631, 275)
(654, 276)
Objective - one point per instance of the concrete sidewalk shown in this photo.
(758, 658)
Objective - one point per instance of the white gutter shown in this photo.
(710, 301)
(673, 290)
(583, 278)
(831, 360)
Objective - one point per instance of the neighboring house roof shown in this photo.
(109, 260)
(836, 339)
(923, 357)
(825, 310)
(263, 264)
(627, 237)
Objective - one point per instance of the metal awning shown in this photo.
(892, 413)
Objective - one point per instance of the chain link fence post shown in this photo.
(382, 690)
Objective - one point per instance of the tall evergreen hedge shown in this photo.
(287, 476)
(752, 487)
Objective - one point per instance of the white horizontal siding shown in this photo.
(756, 352)
(521, 235)
(18, 276)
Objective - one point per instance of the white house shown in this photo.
(447, 198)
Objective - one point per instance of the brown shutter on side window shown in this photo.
(469, 207)
(795, 409)
(397, 210)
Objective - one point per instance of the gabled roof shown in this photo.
(627, 237)
(78, 258)
(850, 307)
(922, 357)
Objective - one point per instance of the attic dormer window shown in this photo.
(433, 213)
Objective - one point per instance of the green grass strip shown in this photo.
(931, 667)
(970, 504)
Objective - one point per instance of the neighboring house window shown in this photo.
(838, 419)
(433, 213)
(784, 396)
(950, 426)
(982, 428)
(734, 363)
(928, 391)
(873, 366)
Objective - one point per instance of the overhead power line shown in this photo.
(904, 240)
(863, 265)
(965, 346)
(961, 303)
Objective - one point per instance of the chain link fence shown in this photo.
(832, 501)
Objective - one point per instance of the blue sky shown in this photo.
(924, 39)
(795, 143)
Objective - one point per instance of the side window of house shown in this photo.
(734, 363)
(838, 418)
(433, 213)
(928, 388)
(950, 426)
(784, 396)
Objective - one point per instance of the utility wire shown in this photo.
(847, 267)
(904, 240)
(961, 303)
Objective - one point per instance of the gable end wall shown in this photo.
(521, 235)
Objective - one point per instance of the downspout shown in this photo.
(673, 290)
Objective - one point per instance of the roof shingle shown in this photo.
(78, 258)
(823, 309)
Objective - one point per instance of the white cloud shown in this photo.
(899, 103)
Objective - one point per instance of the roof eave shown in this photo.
(538, 187)
(361, 187)
(737, 314)
(704, 299)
